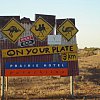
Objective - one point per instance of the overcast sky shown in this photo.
(85, 12)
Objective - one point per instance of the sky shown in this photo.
(85, 12)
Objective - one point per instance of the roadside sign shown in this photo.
(41, 28)
(67, 29)
(12, 30)
(36, 68)
(40, 59)
(54, 39)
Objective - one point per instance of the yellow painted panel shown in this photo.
(38, 50)
(69, 56)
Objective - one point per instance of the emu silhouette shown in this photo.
(68, 30)
(11, 30)
(41, 29)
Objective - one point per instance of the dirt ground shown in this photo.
(87, 84)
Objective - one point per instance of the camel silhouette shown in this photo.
(41, 28)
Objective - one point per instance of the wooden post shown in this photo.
(6, 88)
(72, 86)
(6, 84)
(2, 87)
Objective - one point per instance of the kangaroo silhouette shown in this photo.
(68, 30)
(11, 30)
(41, 28)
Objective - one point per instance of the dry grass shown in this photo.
(39, 87)
(86, 84)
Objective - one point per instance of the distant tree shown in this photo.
(85, 48)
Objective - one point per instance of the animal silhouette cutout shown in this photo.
(68, 30)
(41, 28)
(12, 30)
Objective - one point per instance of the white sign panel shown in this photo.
(54, 39)
(71, 42)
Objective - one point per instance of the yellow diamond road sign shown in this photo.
(41, 29)
(67, 29)
(12, 30)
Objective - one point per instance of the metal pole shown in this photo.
(72, 86)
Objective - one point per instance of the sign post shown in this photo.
(2, 87)
(6, 84)
(72, 86)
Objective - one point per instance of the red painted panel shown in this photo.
(37, 72)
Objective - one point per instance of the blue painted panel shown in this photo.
(35, 65)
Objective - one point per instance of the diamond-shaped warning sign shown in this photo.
(67, 29)
(12, 30)
(41, 29)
